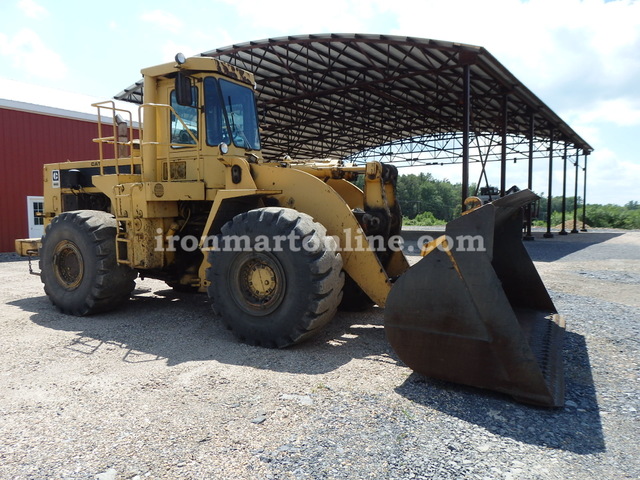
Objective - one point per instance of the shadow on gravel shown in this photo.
(558, 247)
(576, 428)
(174, 328)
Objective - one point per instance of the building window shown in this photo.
(38, 209)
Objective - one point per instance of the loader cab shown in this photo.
(197, 112)
(213, 110)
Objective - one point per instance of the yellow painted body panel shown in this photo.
(27, 247)
(307, 193)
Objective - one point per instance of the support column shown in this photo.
(548, 233)
(575, 196)
(563, 231)
(503, 155)
(529, 212)
(466, 130)
(584, 195)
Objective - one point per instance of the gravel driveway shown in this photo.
(160, 390)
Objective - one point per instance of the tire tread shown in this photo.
(324, 269)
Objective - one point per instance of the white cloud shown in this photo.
(32, 9)
(291, 17)
(558, 48)
(623, 112)
(31, 56)
(164, 20)
(170, 48)
(611, 180)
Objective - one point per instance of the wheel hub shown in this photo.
(258, 283)
(261, 280)
(68, 265)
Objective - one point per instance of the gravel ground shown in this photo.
(161, 390)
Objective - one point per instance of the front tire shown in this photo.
(78, 263)
(281, 283)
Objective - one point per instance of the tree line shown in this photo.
(426, 200)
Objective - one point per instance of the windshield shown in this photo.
(230, 114)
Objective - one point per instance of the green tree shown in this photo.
(423, 193)
(427, 201)
(424, 219)
(612, 216)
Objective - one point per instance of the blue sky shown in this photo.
(581, 57)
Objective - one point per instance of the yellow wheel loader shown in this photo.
(280, 245)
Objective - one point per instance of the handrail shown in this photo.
(118, 139)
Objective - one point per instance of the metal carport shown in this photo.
(404, 100)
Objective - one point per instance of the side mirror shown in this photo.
(184, 95)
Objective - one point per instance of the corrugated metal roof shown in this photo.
(340, 94)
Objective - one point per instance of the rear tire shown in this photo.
(78, 263)
(270, 296)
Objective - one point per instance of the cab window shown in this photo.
(217, 131)
(241, 112)
(230, 114)
(180, 130)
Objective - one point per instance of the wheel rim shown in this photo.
(68, 265)
(257, 283)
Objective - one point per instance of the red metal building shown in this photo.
(30, 136)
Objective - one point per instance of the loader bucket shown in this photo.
(480, 316)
